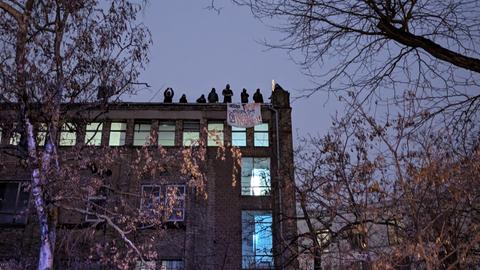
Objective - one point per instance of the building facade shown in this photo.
(245, 225)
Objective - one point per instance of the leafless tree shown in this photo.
(385, 52)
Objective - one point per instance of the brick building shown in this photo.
(243, 226)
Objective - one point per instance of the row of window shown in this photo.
(143, 134)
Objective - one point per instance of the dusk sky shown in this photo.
(195, 49)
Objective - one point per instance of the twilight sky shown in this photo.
(195, 49)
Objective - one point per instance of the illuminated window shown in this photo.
(13, 202)
(172, 265)
(239, 136)
(191, 133)
(257, 240)
(215, 134)
(260, 135)
(93, 134)
(255, 176)
(41, 134)
(141, 134)
(68, 135)
(166, 133)
(118, 130)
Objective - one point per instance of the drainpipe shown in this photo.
(280, 206)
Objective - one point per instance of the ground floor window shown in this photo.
(257, 240)
(13, 202)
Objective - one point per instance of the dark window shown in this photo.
(13, 202)
(95, 207)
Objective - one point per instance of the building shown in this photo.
(239, 226)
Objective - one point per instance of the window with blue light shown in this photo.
(257, 240)
(255, 176)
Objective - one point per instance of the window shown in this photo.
(358, 237)
(41, 134)
(15, 138)
(13, 202)
(166, 133)
(93, 135)
(152, 199)
(118, 130)
(68, 135)
(239, 136)
(257, 240)
(260, 135)
(172, 208)
(175, 202)
(141, 134)
(324, 237)
(172, 265)
(95, 205)
(255, 176)
(215, 134)
(191, 133)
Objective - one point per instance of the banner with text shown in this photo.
(244, 115)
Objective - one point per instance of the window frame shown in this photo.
(183, 199)
(258, 254)
(120, 131)
(214, 134)
(257, 132)
(68, 128)
(20, 212)
(239, 131)
(98, 131)
(166, 123)
(196, 132)
(264, 190)
(142, 131)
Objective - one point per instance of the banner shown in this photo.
(244, 115)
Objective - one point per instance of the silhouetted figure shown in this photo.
(212, 96)
(183, 99)
(257, 97)
(244, 96)
(227, 94)
(168, 95)
(201, 99)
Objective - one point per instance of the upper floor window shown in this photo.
(13, 202)
(257, 240)
(215, 134)
(166, 133)
(141, 135)
(68, 135)
(93, 134)
(239, 136)
(260, 135)
(191, 133)
(41, 134)
(255, 176)
(118, 131)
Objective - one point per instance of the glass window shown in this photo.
(93, 134)
(260, 135)
(141, 134)
(68, 135)
(172, 265)
(257, 240)
(118, 130)
(13, 202)
(41, 134)
(166, 133)
(95, 205)
(255, 176)
(175, 202)
(215, 134)
(191, 133)
(239, 136)
(151, 197)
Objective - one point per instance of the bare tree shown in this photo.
(384, 51)
(58, 52)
